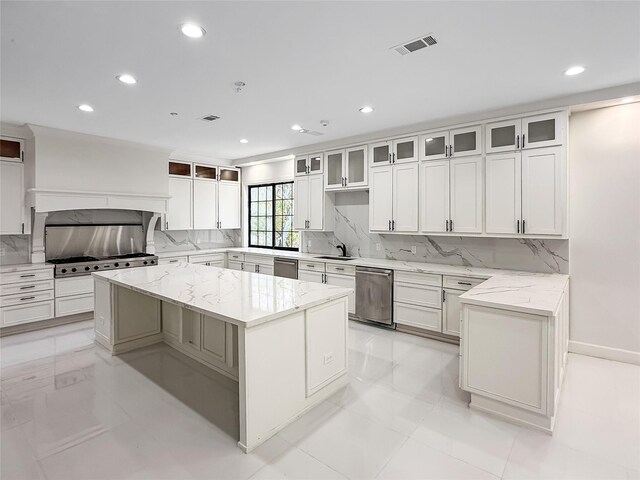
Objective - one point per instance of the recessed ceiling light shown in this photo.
(303, 130)
(244, 140)
(85, 108)
(296, 127)
(577, 70)
(126, 78)
(366, 109)
(627, 100)
(192, 30)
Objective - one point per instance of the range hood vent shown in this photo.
(416, 44)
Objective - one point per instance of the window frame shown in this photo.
(273, 216)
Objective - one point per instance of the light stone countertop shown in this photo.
(527, 292)
(242, 298)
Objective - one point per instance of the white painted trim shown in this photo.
(48, 200)
(609, 353)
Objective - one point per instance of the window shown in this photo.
(271, 216)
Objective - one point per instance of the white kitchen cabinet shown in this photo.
(234, 265)
(313, 209)
(459, 142)
(466, 195)
(229, 210)
(434, 145)
(542, 191)
(12, 201)
(434, 196)
(205, 204)
(348, 281)
(180, 205)
(399, 150)
(525, 192)
(393, 198)
(26, 296)
(416, 316)
(214, 338)
(308, 276)
(380, 154)
(451, 195)
(451, 312)
(11, 149)
(346, 169)
(503, 181)
(309, 164)
(524, 133)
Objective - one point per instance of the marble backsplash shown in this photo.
(14, 249)
(177, 240)
(352, 229)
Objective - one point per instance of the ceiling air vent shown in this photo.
(210, 118)
(415, 44)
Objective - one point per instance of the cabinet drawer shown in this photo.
(236, 256)
(419, 278)
(26, 276)
(416, 316)
(25, 298)
(74, 304)
(26, 287)
(310, 265)
(461, 283)
(74, 286)
(234, 265)
(341, 269)
(32, 312)
(213, 257)
(259, 259)
(417, 294)
(168, 260)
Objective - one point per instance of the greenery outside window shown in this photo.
(271, 216)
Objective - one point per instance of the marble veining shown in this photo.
(352, 229)
(243, 298)
(15, 249)
(194, 240)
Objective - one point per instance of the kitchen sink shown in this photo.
(329, 257)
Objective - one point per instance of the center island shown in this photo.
(284, 341)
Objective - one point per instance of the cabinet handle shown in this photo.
(27, 287)
(451, 225)
(242, 266)
(522, 226)
(28, 275)
(518, 226)
(446, 151)
(450, 151)
(394, 158)
(339, 268)
(443, 299)
(464, 283)
(389, 157)
(393, 225)
(389, 225)
(23, 228)
(523, 140)
(311, 266)
(27, 298)
(166, 225)
(446, 225)
(517, 142)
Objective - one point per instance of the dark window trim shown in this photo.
(273, 216)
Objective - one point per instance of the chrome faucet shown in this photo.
(342, 247)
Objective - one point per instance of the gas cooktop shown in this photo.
(75, 266)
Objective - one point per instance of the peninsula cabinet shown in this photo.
(393, 198)
(346, 169)
(313, 209)
(309, 164)
(399, 150)
(524, 192)
(451, 196)
(460, 142)
(526, 132)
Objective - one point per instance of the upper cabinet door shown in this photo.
(381, 199)
(334, 170)
(316, 163)
(503, 179)
(316, 203)
(11, 197)
(205, 208)
(466, 195)
(434, 196)
(405, 198)
(542, 191)
(205, 172)
(301, 165)
(379, 154)
(434, 146)
(229, 205)
(180, 169)
(405, 150)
(465, 141)
(503, 136)
(542, 130)
(356, 167)
(11, 149)
(179, 209)
(229, 175)
(300, 203)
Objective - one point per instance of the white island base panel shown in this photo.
(284, 367)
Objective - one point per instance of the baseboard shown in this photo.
(52, 322)
(609, 353)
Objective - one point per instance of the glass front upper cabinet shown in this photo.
(308, 164)
(503, 136)
(465, 141)
(229, 175)
(434, 146)
(356, 168)
(380, 153)
(542, 130)
(405, 150)
(11, 149)
(179, 169)
(334, 174)
(205, 172)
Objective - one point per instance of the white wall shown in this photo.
(604, 245)
(74, 161)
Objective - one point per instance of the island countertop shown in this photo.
(242, 298)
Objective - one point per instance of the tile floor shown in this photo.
(70, 410)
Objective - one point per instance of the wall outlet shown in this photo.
(378, 246)
(413, 249)
(328, 358)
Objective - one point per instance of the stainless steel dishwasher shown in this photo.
(374, 296)
(285, 267)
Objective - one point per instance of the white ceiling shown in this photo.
(302, 62)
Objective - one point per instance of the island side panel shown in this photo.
(278, 379)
